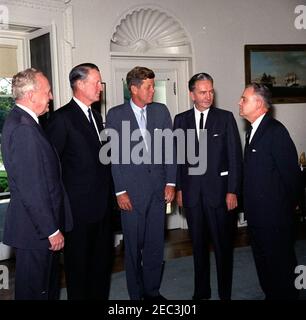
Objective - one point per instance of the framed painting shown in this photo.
(280, 67)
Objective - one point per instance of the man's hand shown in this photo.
(231, 201)
(179, 198)
(57, 242)
(124, 202)
(169, 193)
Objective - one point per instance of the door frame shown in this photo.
(54, 57)
(24, 57)
(182, 67)
(155, 63)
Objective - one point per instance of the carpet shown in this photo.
(177, 282)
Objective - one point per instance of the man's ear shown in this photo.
(191, 95)
(30, 96)
(134, 89)
(259, 103)
(79, 84)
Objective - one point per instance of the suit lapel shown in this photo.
(130, 116)
(209, 124)
(98, 120)
(190, 119)
(151, 119)
(33, 123)
(83, 123)
(211, 119)
(261, 129)
(191, 124)
(30, 120)
(264, 124)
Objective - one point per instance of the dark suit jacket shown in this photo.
(38, 205)
(271, 176)
(87, 180)
(141, 179)
(224, 154)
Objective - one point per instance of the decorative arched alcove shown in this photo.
(150, 31)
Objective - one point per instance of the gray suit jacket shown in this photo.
(141, 179)
(39, 205)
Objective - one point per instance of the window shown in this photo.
(6, 103)
(8, 54)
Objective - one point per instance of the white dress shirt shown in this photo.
(85, 108)
(255, 126)
(197, 115)
(137, 112)
(29, 111)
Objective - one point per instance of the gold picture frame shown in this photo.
(281, 67)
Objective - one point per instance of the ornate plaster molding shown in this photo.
(149, 30)
(51, 5)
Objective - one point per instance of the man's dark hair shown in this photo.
(197, 77)
(263, 91)
(80, 72)
(137, 75)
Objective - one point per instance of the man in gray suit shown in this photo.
(39, 210)
(142, 189)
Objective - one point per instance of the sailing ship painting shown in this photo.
(292, 80)
(280, 67)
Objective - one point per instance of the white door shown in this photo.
(170, 88)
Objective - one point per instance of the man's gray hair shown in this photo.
(23, 82)
(262, 91)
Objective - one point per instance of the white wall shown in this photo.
(218, 29)
(42, 13)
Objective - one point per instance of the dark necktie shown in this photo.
(91, 119)
(248, 135)
(92, 124)
(202, 121)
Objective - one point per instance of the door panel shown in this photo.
(42, 46)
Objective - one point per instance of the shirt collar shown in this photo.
(29, 111)
(83, 106)
(198, 113)
(257, 122)
(136, 108)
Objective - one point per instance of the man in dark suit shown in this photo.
(271, 190)
(74, 130)
(209, 199)
(39, 210)
(142, 187)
